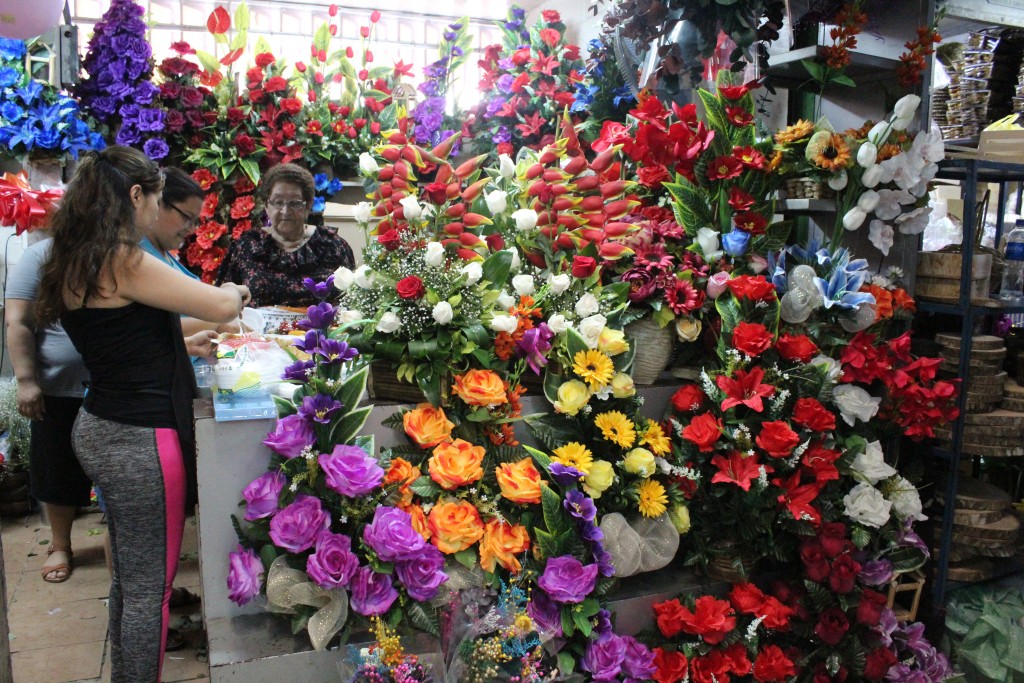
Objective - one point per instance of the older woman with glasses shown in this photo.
(273, 261)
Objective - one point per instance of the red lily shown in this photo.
(745, 389)
(737, 469)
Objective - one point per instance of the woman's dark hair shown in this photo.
(290, 174)
(94, 223)
(180, 187)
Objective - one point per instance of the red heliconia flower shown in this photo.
(745, 389)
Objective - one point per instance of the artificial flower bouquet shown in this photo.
(24, 208)
(189, 104)
(385, 661)
(434, 122)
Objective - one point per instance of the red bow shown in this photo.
(23, 207)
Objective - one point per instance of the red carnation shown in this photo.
(796, 347)
(736, 657)
(521, 56)
(869, 609)
(746, 598)
(710, 668)
(235, 116)
(704, 430)
(550, 36)
(264, 59)
(878, 663)
(687, 398)
(669, 615)
(775, 614)
(777, 439)
(551, 16)
(832, 626)
(410, 287)
(808, 412)
(711, 619)
(254, 75)
(390, 239)
(753, 287)
(583, 266)
(751, 339)
(275, 84)
(670, 667)
(772, 665)
(291, 105)
(245, 144)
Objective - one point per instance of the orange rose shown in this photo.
(401, 472)
(454, 526)
(419, 520)
(501, 543)
(903, 301)
(456, 464)
(480, 388)
(883, 301)
(519, 481)
(427, 425)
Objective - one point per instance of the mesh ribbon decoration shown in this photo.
(287, 587)
(640, 545)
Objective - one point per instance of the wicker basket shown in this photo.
(808, 188)
(384, 384)
(653, 346)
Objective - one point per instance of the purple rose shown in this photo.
(566, 579)
(603, 658)
(262, 494)
(296, 527)
(391, 535)
(641, 284)
(332, 564)
(151, 120)
(191, 97)
(546, 614)
(371, 593)
(155, 148)
(290, 436)
(244, 576)
(876, 573)
(638, 662)
(422, 575)
(351, 471)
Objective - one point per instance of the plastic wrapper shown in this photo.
(639, 545)
(248, 365)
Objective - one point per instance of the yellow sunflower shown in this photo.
(828, 151)
(616, 427)
(575, 455)
(655, 439)
(594, 368)
(798, 131)
(652, 500)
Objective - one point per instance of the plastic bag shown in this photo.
(248, 365)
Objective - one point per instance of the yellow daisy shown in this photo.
(828, 151)
(652, 498)
(594, 368)
(655, 439)
(616, 427)
(575, 455)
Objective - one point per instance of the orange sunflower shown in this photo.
(828, 151)
(798, 131)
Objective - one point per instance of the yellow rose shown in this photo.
(572, 396)
(427, 425)
(480, 388)
(687, 329)
(680, 516)
(600, 478)
(612, 342)
(454, 526)
(456, 464)
(500, 545)
(639, 461)
(622, 386)
(519, 481)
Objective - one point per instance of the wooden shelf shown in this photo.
(806, 206)
(864, 68)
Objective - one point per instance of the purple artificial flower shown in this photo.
(155, 148)
(371, 593)
(391, 535)
(262, 495)
(506, 64)
(566, 579)
(501, 135)
(580, 506)
(297, 370)
(291, 435)
(907, 537)
(128, 136)
(546, 614)
(146, 92)
(642, 284)
(638, 662)
(494, 106)
(150, 120)
(603, 658)
(351, 471)
(332, 564)
(319, 408)
(603, 627)
(534, 345)
(887, 625)
(876, 572)
(245, 576)
(904, 673)
(321, 290)
(591, 532)
(310, 342)
(564, 475)
(336, 351)
(504, 84)
(605, 564)
(913, 639)
(422, 575)
(297, 527)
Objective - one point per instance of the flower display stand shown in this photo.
(905, 608)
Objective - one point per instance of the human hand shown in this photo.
(243, 292)
(30, 399)
(201, 344)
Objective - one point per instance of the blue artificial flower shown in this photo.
(838, 291)
(318, 204)
(320, 182)
(518, 12)
(623, 95)
(156, 148)
(30, 92)
(595, 45)
(735, 242)
(48, 138)
(9, 76)
(335, 186)
(583, 97)
(513, 25)
(11, 111)
(12, 49)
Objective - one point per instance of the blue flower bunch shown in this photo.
(36, 119)
(118, 89)
(603, 92)
(324, 187)
(432, 125)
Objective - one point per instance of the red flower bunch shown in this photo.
(913, 61)
(189, 106)
(849, 23)
(225, 215)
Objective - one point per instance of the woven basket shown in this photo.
(384, 384)
(730, 564)
(808, 188)
(653, 346)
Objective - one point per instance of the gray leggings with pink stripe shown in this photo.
(140, 471)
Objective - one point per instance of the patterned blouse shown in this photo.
(274, 276)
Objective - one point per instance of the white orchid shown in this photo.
(890, 203)
(881, 235)
(915, 222)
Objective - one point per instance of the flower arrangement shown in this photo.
(118, 89)
(603, 93)
(385, 661)
(527, 84)
(189, 105)
(15, 434)
(433, 123)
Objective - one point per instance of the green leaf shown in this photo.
(690, 205)
(423, 617)
(774, 238)
(843, 79)
(566, 663)
(284, 407)
(242, 18)
(268, 554)
(467, 558)
(582, 623)
(347, 427)
(351, 391)
(496, 269)
(568, 625)
(239, 40)
(550, 545)
(906, 559)
(552, 380)
(860, 536)
(366, 442)
(322, 37)
(574, 342)
(554, 514)
(425, 487)
(815, 69)
(539, 457)
(251, 169)
(262, 46)
(209, 62)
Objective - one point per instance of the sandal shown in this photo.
(62, 570)
(183, 597)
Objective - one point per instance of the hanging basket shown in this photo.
(653, 346)
(808, 188)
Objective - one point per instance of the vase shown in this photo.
(653, 347)
(14, 494)
(46, 171)
(730, 563)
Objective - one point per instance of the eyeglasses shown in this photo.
(190, 221)
(292, 205)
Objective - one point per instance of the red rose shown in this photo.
(437, 193)
(815, 562)
(291, 105)
(254, 75)
(275, 84)
(245, 144)
(264, 59)
(495, 242)
(653, 176)
(583, 266)
(389, 239)
(775, 614)
(669, 615)
(772, 665)
(703, 430)
(550, 36)
(175, 121)
(796, 347)
(751, 339)
(777, 439)
(869, 609)
(235, 116)
(832, 626)
(808, 412)
(170, 90)
(670, 667)
(832, 537)
(844, 574)
(551, 16)
(746, 598)
(688, 398)
(504, 148)
(878, 663)
(521, 56)
(572, 52)
(410, 287)
(191, 97)
(753, 287)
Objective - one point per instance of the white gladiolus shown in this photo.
(434, 256)
(524, 285)
(559, 283)
(709, 245)
(473, 272)
(389, 322)
(364, 277)
(343, 278)
(506, 167)
(443, 313)
(362, 212)
(871, 176)
(867, 155)
(526, 219)
(504, 323)
(587, 305)
(497, 201)
(906, 106)
(367, 164)
(854, 218)
(558, 324)
(411, 208)
(868, 201)
(837, 181)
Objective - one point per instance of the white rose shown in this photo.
(411, 208)
(906, 502)
(505, 300)
(558, 324)
(473, 272)
(367, 164)
(854, 218)
(868, 201)
(524, 285)
(364, 277)
(526, 219)
(871, 465)
(837, 181)
(504, 323)
(349, 316)
(906, 106)
(587, 305)
(389, 322)
(591, 329)
(866, 505)
(559, 283)
(854, 403)
(832, 367)
(515, 259)
(879, 133)
(435, 254)
(362, 212)
(867, 155)
(497, 201)
(443, 313)
(871, 176)
(709, 246)
(506, 167)
(343, 278)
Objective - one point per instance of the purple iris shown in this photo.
(336, 351)
(591, 532)
(318, 317)
(297, 370)
(319, 408)
(533, 346)
(320, 290)
(564, 475)
(580, 506)
(310, 343)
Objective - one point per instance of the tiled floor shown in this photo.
(59, 631)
